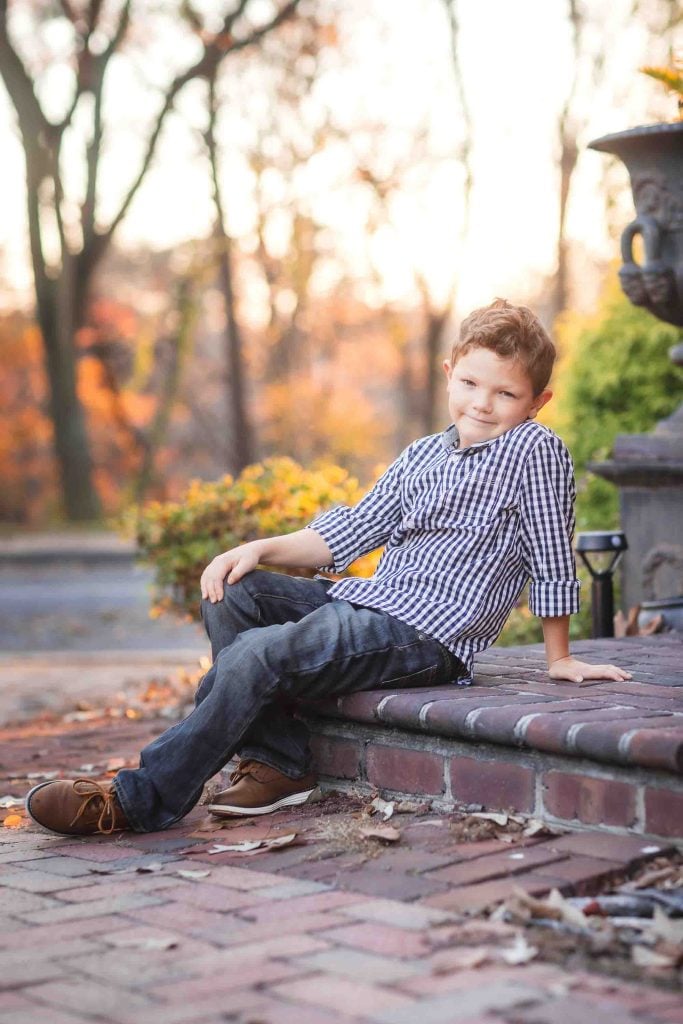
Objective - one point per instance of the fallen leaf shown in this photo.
(667, 928)
(42, 775)
(497, 819)
(568, 913)
(192, 875)
(387, 833)
(383, 807)
(464, 958)
(650, 877)
(535, 827)
(644, 957)
(13, 821)
(147, 869)
(521, 906)
(412, 806)
(252, 846)
(132, 942)
(519, 953)
(81, 716)
(11, 801)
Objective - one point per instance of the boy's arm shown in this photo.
(561, 664)
(333, 540)
(304, 548)
(547, 529)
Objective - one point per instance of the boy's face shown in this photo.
(488, 395)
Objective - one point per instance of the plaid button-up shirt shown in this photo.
(463, 530)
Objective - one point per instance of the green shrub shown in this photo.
(267, 499)
(615, 377)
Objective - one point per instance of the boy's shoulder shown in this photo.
(533, 445)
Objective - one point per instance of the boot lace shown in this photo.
(92, 791)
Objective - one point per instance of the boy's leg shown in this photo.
(264, 598)
(338, 648)
(276, 738)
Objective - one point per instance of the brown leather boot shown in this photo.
(79, 808)
(259, 789)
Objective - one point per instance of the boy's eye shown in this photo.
(470, 383)
(507, 394)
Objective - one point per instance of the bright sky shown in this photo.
(393, 70)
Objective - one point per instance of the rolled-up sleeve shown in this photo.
(546, 502)
(350, 532)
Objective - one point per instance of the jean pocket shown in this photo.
(450, 665)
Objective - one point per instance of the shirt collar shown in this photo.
(450, 440)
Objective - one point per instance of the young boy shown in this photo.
(466, 517)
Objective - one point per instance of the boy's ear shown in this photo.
(447, 368)
(540, 401)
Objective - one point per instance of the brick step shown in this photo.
(600, 754)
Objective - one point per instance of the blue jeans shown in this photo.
(275, 639)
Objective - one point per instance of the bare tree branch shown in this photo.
(466, 143)
(19, 85)
(211, 58)
(242, 431)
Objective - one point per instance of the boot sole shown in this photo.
(308, 796)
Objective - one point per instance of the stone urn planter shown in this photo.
(648, 468)
(653, 155)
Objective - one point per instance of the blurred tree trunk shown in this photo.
(180, 345)
(567, 131)
(62, 283)
(242, 432)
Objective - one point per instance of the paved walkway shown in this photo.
(332, 925)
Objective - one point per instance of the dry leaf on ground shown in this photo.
(383, 807)
(147, 944)
(465, 958)
(254, 846)
(642, 956)
(497, 819)
(667, 928)
(387, 833)
(521, 952)
(192, 875)
(412, 807)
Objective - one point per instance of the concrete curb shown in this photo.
(50, 548)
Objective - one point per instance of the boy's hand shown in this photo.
(575, 671)
(234, 564)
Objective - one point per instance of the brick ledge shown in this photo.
(514, 703)
(570, 791)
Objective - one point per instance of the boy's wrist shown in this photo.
(555, 661)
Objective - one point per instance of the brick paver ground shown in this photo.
(334, 927)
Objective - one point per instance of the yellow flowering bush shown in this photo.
(267, 499)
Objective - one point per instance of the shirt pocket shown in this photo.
(489, 533)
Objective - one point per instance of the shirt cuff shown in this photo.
(549, 598)
(337, 532)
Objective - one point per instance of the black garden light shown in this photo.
(605, 548)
